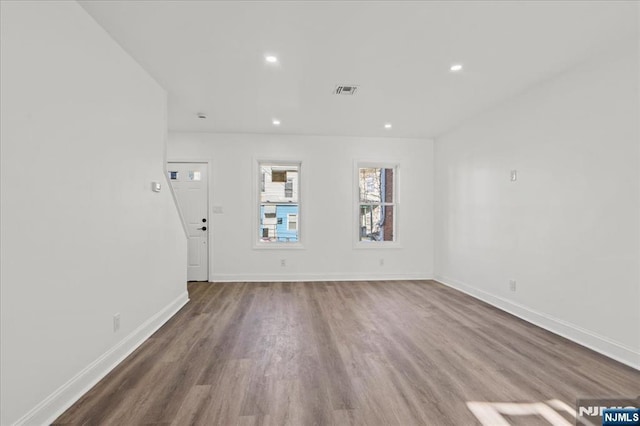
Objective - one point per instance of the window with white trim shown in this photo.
(292, 222)
(377, 203)
(278, 203)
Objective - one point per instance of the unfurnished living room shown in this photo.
(320, 212)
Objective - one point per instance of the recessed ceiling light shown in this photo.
(387, 125)
(276, 122)
(271, 59)
(456, 67)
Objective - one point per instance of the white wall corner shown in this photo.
(67, 394)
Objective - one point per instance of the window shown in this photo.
(288, 188)
(278, 203)
(292, 222)
(377, 203)
(192, 175)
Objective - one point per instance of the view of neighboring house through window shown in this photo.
(279, 202)
(376, 203)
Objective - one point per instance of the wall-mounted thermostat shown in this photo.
(156, 187)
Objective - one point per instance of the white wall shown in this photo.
(568, 229)
(327, 218)
(83, 236)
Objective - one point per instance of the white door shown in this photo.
(190, 184)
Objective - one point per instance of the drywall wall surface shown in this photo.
(328, 211)
(83, 236)
(567, 230)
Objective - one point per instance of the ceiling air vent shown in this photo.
(346, 90)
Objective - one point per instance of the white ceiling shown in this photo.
(210, 58)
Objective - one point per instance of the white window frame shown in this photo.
(258, 244)
(357, 165)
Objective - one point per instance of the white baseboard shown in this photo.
(62, 398)
(591, 340)
(314, 277)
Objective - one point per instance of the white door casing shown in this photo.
(190, 185)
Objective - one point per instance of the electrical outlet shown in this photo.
(283, 262)
(512, 285)
(116, 322)
(381, 262)
(514, 175)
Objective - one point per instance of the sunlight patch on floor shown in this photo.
(492, 413)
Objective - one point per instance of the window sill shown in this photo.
(376, 245)
(278, 246)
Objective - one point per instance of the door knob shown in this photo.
(204, 228)
(204, 220)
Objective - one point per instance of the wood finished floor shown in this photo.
(342, 353)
